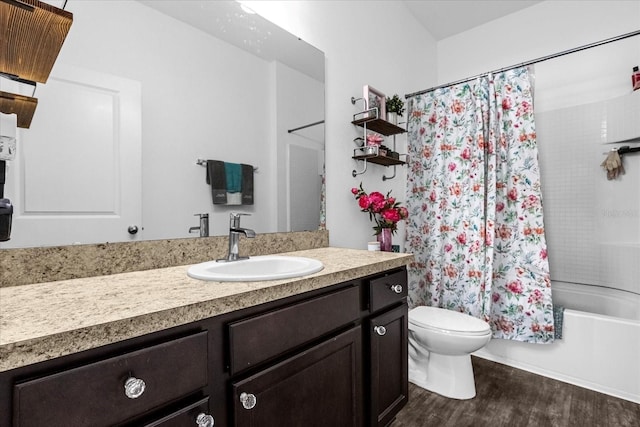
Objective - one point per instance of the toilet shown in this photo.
(440, 345)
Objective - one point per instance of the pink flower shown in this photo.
(462, 238)
(384, 210)
(377, 201)
(364, 202)
(515, 287)
(513, 194)
(506, 104)
(499, 207)
(466, 154)
(452, 167)
(543, 253)
(391, 215)
(448, 247)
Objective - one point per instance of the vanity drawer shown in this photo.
(387, 290)
(268, 335)
(87, 395)
(187, 416)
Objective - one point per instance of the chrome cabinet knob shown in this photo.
(380, 330)
(134, 387)
(133, 229)
(248, 400)
(205, 420)
(396, 288)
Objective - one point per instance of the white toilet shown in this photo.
(440, 345)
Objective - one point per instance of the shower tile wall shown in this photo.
(592, 224)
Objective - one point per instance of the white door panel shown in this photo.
(77, 175)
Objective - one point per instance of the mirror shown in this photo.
(201, 80)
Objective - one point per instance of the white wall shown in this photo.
(376, 43)
(546, 28)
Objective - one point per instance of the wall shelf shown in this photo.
(380, 160)
(370, 119)
(22, 106)
(375, 124)
(33, 33)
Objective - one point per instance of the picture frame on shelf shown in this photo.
(373, 98)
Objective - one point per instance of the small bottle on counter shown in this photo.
(635, 78)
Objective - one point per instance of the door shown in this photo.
(318, 387)
(389, 364)
(77, 174)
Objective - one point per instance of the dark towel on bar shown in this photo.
(558, 317)
(216, 178)
(3, 168)
(247, 184)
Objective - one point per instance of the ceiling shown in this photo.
(445, 18)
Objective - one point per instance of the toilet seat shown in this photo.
(447, 321)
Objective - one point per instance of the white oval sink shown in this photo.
(257, 268)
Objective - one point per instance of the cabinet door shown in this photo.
(318, 387)
(389, 364)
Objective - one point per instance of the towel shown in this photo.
(233, 175)
(247, 184)
(216, 177)
(613, 165)
(558, 317)
(3, 166)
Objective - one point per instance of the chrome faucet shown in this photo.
(234, 237)
(204, 225)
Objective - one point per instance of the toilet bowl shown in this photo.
(440, 345)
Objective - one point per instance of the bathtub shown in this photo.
(600, 345)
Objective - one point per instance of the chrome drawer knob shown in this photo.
(134, 387)
(205, 420)
(380, 330)
(396, 288)
(248, 400)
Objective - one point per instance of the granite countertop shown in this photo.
(46, 320)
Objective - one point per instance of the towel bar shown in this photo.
(203, 162)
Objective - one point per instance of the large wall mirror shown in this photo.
(141, 91)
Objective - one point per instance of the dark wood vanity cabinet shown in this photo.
(387, 326)
(336, 356)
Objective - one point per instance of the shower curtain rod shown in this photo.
(534, 61)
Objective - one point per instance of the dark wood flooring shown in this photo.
(506, 396)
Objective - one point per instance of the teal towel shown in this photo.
(233, 172)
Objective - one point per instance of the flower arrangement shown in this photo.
(384, 210)
(395, 105)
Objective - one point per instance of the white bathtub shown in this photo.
(600, 345)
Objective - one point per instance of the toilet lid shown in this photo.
(447, 320)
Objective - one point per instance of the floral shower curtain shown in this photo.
(475, 210)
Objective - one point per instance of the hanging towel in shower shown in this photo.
(613, 165)
(558, 318)
(247, 184)
(217, 179)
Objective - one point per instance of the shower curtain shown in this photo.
(475, 210)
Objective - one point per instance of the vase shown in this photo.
(392, 117)
(384, 237)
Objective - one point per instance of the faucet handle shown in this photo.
(234, 221)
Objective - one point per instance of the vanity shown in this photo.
(158, 348)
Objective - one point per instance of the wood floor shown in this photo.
(511, 397)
